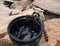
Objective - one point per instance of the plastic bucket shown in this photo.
(25, 31)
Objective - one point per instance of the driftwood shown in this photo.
(52, 6)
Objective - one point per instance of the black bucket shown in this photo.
(25, 31)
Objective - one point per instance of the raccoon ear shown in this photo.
(31, 0)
